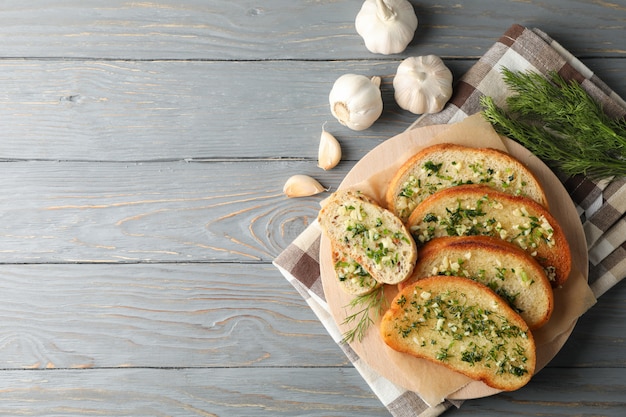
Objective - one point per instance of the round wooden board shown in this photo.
(426, 378)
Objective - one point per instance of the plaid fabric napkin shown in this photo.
(601, 204)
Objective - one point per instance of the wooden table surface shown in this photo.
(144, 148)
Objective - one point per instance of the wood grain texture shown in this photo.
(254, 392)
(157, 315)
(275, 29)
(152, 212)
(313, 392)
(147, 111)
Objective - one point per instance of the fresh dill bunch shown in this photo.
(560, 123)
(374, 301)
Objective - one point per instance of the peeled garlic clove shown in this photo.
(386, 26)
(422, 84)
(329, 152)
(356, 101)
(302, 186)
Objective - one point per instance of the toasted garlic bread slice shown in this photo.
(370, 235)
(463, 325)
(506, 269)
(447, 165)
(468, 210)
(352, 277)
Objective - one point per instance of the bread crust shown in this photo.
(369, 234)
(464, 326)
(480, 210)
(505, 268)
(447, 164)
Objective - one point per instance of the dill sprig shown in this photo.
(561, 124)
(373, 301)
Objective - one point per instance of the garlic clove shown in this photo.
(422, 84)
(356, 101)
(386, 26)
(329, 152)
(300, 185)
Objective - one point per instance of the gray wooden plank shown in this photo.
(313, 392)
(157, 315)
(142, 111)
(204, 315)
(276, 29)
(281, 392)
(145, 111)
(151, 212)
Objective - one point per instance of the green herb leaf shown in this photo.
(374, 301)
(561, 124)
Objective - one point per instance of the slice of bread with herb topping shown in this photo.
(352, 277)
(463, 325)
(503, 267)
(468, 210)
(446, 165)
(369, 234)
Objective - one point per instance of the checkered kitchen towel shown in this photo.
(601, 204)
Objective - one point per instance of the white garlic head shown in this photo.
(422, 84)
(356, 101)
(386, 26)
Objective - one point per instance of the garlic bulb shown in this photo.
(422, 84)
(302, 186)
(386, 26)
(329, 152)
(356, 101)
